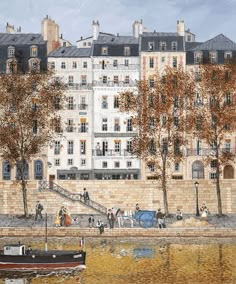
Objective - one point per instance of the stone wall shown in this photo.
(121, 193)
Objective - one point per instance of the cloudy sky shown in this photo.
(205, 18)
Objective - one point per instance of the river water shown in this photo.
(145, 261)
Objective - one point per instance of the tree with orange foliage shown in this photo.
(27, 113)
(160, 110)
(215, 115)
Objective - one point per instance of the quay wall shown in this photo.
(121, 193)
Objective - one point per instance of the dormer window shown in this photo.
(228, 55)
(162, 45)
(33, 51)
(150, 45)
(11, 51)
(126, 50)
(174, 45)
(34, 64)
(104, 50)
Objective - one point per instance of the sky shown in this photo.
(205, 18)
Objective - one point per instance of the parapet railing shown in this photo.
(51, 186)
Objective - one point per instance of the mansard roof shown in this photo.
(21, 39)
(115, 45)
(157, 37)
(219, 42)
(70, 51)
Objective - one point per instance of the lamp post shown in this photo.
(196, 188)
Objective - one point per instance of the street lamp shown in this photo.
(197, 208)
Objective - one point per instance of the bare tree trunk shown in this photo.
(164, 186)
(218, 184)
(24, 193)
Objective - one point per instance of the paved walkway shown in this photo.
(81, 221)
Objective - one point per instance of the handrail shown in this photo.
(51, 186)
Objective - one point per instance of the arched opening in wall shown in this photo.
(38, 169)
(197, 170)
(18, 170)
(228, 172)
(6, 170)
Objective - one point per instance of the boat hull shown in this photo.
(47, 262)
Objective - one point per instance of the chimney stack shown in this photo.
(137, 28)
(180, 28)
(10, 29)
(95, 26)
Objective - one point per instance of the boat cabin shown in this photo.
(16, 249)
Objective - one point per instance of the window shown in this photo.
(35, 126)
(63, 65)
(115, 79)
(176, 147)
(174, 45)
(115, 64)
(116, 102)
(52, 65)
(162, 45)
(74, 65)
(83, 104)
(197, 76)
(84, 43)
(116, 164)
(152, 122)
(70, 162)
(126, 51)
(227, 146)
(89, 43)
(176, 167)
(104, 79)
(70, 147)
(151, 62)
(83, 147)
(129, 146)
(104, 124)
(150, 45)
(57, 103)
(117, 145)
(152, 147)
(129, 125)
(83, 80)
(213, 175)
(104, 50)
(164, 120)
(38, 170)
(228, 55)
(104, 102)
(57, 147)
(70, 103)
(213, 56)
(189, 38)
(174, 62)
(71, 79)
(198, 123)
(70, 125)
(176, 121)
(163, 59)
(197, 57)
(227, 99)
(213, 164)
(117, 124)
(129, 164)
(151, 167)
(57, 162)
(85, 64)
(11, 51)
(104, 165)
(34, 64)
(126, 79)
(83, 162)
(151, 83)
(127, 62)
(18, 170)
(164, 145)
(6, 170)
(34, 51)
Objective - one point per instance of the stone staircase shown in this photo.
(53, 187)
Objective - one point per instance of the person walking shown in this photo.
(86, 196)
(38, 210)
(91, 221)
(62, 216)
(57, 220)
(179, 215)
(111, 218)
(100, 226)
(160, 218)
(137, 209)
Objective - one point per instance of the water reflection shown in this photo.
(146, 262)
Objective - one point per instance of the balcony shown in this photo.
(112, 84)
(83, 106)
(129, 129)
(70, 106)
(118, 67)
(110, 153)
(117, 128)
(208, 151)
(83, 129)
(70, 129)
(81, 86)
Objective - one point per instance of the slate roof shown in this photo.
(21, 39)
(156, 38)
(113, 40)
(220, 42)
(70, 51)
(191, 45)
